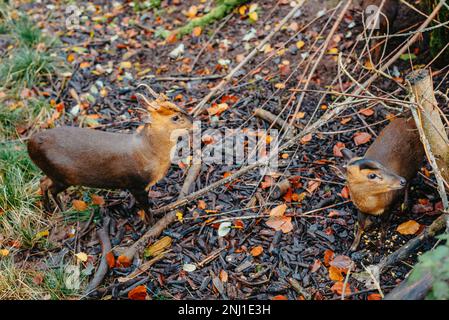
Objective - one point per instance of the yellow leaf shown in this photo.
(409, 227)
(193, 10)
(300, 44)
(81, 256)
(279, 86)
(197, 31)
(79, 205)
(332, 51)
(70, 58)
(242, 10)
(158, 247)
(125, 65)
(4, 252)
(253, 16)
(41, 234)
(179, 215)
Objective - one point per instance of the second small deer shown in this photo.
(378, 180)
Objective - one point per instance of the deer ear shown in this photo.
(347, 154)
(145, 103)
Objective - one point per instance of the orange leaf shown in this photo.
(197, 31)
(279, 297)
(98, 200)
(110, 259)
(361, 138)
(202, 204)
(367, 112)
(409, 227)
(345, 192)
(374, 296)
(278, 211)
(306, 138)
(337, 149)
(328, 256)
(79, 205)
(172, 37)
(338, 288)
(256, 251)
(138, 293)
(283, 224)
(335, 274)
(239, 224)
(312, 185)
(223, 276)
(123, 261)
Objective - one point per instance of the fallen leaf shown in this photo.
(306, 138)
(224, 229)
(341, 262)
(278, 211)
(158, 247)
(283, 224)
(312, 185)
(368, 112)
(335, 274)
(345, 192)
(300, 44)
(81, 256)
(123, 261)
(125, 65)
(408, 228)
(223, 276)
(97, 200)
(202, 204)
(279, 297)
(217, 109)
(138, 293)
(79, 205)
(192, 12)
(328, 256)
(374, 296)
(338, 288)
(4, 252)
(361, 138)
(110, 259)
(337, 149)
(256, 251)
(197, 31)
(188, 267)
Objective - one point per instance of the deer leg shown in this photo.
(45, 184)
(48, 185)
(142, 198)
(56, 188)
(360, 228)
(406, 203)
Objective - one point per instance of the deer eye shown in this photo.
(176, 118)
(372, 176)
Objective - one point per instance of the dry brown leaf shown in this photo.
(98, 200)
(338, 288)
(79, 205)
(328, 256)
(408, 228)
(278, 211)
(337, 149)
(335, 274)
(138, 293)
(361, 138)
(256, 251)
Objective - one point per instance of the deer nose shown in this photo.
(403, 182)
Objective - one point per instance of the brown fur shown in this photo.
(398, 152)
(72, 156)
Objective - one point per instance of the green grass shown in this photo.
(27, 114)
(25, 67)
(26, 32)
(30, 284)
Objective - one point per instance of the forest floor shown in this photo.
(88, 76)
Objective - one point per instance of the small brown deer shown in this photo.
(71, 156)
(388, 10)
(378, 180)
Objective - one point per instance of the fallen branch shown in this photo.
(276, 121)
(103, 236)
(200, 106)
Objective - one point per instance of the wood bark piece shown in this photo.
(276, 121)
(103, 236)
